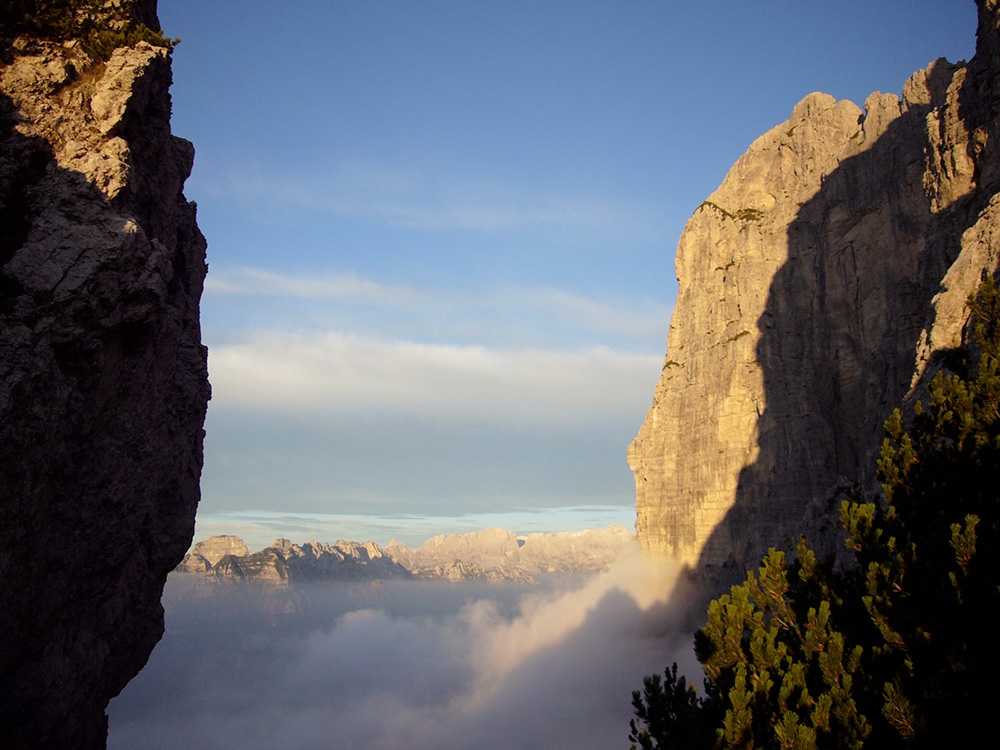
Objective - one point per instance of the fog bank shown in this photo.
(405, 664)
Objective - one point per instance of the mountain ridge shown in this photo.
(495, 555)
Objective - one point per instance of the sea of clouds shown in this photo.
(407, 664)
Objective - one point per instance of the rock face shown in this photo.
(819, 286)
(103, 379)
(209, 552)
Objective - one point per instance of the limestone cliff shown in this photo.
(823, 280)
(103, 379)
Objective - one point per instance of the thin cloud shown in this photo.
(499, 212)
(260, 528)
(339, 372)
(247, 280)
(639, 319)
(495, 308)
(415, 200)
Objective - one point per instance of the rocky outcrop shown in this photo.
(209, 552)
(457, 570)
(103, 379)
(500, 555)
(819, 286)
(575, 551)
(486, 550)
(226, 559)
(493, 555)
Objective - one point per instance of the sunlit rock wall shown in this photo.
(817, 285)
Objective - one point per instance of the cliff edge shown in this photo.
(103, 377)
(819, 286)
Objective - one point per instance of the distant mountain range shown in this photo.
(494, 555)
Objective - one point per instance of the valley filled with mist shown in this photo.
(405, 663)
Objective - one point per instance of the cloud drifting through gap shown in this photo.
(428, 665)
(332, 371)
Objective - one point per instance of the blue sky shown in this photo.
(441, 235)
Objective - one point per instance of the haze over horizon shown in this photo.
(441, 236)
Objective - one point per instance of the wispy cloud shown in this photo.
(247, 280)
(534, 310)
(260, 528)
(418, 200)
(460, 210)
(342, 372)
(636, 319)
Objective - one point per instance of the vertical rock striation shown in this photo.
(818, 286)
(103, 378)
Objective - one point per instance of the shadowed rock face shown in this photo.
(103, 379)
(821, 283)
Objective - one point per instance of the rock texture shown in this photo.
(500, 555)
(821, 283)
(226, 559)
(493, 555)
(103, 379)
(209, 552)
(575, 551)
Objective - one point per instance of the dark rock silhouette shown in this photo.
(103, 378)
